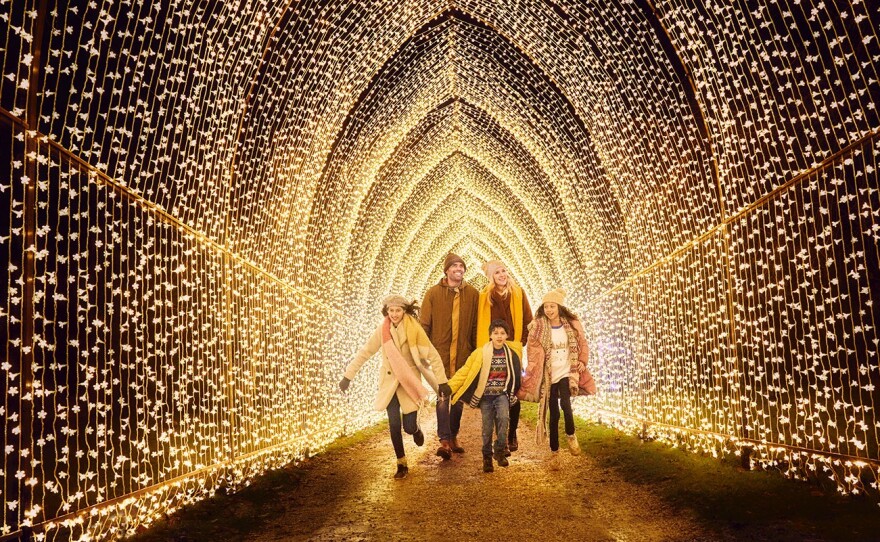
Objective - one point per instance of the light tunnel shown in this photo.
(204, 203)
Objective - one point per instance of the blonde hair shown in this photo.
(494, 287)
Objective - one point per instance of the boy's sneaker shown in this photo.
(456, 447)
(419, 438)
(487, 464)
(502, 460)
(574, 445)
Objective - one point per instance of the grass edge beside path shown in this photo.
(749, 504)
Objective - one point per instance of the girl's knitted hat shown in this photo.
(555, 296)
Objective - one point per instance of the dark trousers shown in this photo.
(560, 396)
(514, 420)
(448, 418)
(409, 421)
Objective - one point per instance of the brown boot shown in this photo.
(456, 447)
(445, 450)
(487, 464)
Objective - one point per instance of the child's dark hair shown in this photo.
(563, 312)
(412, 309)
(499, 323)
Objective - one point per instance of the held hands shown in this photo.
(343, 384)
(444, 390)
(581, 367)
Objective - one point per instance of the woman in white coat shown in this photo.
(405, 347)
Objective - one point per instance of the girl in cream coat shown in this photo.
(405, 350)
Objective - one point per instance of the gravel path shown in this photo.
(350, 495)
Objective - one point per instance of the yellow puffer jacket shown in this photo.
(471, 378)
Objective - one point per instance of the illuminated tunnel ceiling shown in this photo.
(467, 137)
(345, 150)
(561, 139)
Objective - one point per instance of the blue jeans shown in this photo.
(448, 418)
(496, 415)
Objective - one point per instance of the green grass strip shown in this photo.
(758, 505)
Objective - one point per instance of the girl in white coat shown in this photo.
(405, 347)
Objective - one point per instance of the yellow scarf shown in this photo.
(419, 347)
(484, 317)
(419, 344)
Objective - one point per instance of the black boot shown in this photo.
(487, 464)
(419, 438)
(402, 468)
(513, 444)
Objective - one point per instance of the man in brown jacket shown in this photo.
(449, 316)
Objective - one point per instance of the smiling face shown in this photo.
(500, 277)
(455, 274)
(498, 336)
(551, 311)
(395, 313)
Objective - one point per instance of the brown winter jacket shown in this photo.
(436, 317)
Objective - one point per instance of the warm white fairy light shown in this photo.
(224, 192)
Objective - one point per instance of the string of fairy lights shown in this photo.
(203, 204)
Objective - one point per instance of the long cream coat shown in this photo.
(388, 384)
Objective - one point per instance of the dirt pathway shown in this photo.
(351, 495)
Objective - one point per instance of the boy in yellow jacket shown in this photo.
(489, 380)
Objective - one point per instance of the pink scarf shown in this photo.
(409, 379)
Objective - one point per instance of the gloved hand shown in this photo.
(444, 390)
(343, 384)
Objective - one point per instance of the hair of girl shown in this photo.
(412, 309)
(564, 312)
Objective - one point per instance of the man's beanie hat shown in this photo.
(451, 259)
